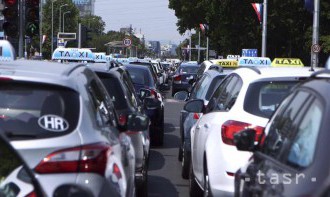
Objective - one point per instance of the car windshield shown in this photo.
(263, 97)
(188, 69)
(42, 110)
(115, 91)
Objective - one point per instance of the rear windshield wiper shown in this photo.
(11, 134)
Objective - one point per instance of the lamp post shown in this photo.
(52, 43)
(67, 12)
(59, 21)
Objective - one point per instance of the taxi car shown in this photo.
(62, 122)
(203, 89)
(247, 97)
(291, 158)
(224, 63)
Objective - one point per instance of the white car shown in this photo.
(246, 98)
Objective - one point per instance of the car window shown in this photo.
(129, 92)
(201, 87)
(43, 111)
(284, 124)
(201, 69)
(263, 97)
(115, 91)
(302, 150)
(228, 96)
(103, 106)
(139, 76)
(188, 69)
(212, 87)
(13, 175)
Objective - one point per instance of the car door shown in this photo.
(220, 97)
(289, 146)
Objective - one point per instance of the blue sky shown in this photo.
(153, 17)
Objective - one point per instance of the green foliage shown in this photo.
(71, 21)
(233, 25)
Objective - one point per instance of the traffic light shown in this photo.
(85, 34)
(32, 18)
(10, 13)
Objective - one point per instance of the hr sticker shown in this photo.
(53, 123)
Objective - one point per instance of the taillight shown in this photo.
(88, 158)
(196, 116)
(116, 171)
(230, 174)
(122, 119)
(230, 127)
(32, 194)
(153, 93)
(177, 79)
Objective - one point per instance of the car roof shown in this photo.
(40, 71)
(214, 73)
(189, 64)
(139, 66)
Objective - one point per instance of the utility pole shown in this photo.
(264, 31)
(20, 41)
(199, 46)
(207, 48)
(40, 30)
(79, 35)
(316, 24)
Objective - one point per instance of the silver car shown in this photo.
(62, 121)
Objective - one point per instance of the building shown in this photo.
(155, 47)
(86, 7)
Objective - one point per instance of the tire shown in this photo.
(194, 189)
(142, 190)
(207, 190)
(159, 137)
(186, 157)
(180, 153)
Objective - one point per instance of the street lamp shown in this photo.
(67, 12)
(52, 43)
(59, 21)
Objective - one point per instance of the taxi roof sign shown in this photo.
(100, 57)
(254, 61)
(7, 51)
(287, 62)
(227, 63)
(73, 54)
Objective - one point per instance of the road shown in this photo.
(164, 175)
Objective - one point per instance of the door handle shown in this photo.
(198, 127)
(206, 125)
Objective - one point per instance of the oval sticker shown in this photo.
(53, 123)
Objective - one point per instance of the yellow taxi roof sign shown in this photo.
(287, 62)
(227, 63)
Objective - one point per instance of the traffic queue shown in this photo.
(260, 131)
(83, 125)
(80, 125)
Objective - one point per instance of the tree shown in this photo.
(233, 26)
(71, 22)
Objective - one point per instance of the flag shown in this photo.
(258, 8)
(204, 27)
(309, 5)
(43, 38)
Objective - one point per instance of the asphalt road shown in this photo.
(164, 175)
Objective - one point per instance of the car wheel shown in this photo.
(180, 153)
(207, 189)
(142, 190)
(194, 189)
(185, 163)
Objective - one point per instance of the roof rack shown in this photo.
(216, 67)
(320, 72)
(255, 69)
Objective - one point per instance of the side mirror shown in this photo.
(181, 96)
(137, 122)
(244, 140)
(68, 190)
(196, 106)
(192, 81)
(144, 93)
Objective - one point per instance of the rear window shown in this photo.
(188, 69)
(34, 111)
(139, 76)
(263, 97)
